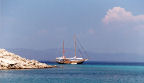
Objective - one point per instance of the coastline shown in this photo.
(10, 60)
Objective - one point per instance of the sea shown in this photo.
(89, 72)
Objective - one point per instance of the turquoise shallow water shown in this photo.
(76, 74)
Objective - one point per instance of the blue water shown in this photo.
(86, 73)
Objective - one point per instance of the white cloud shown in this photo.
(118, 14)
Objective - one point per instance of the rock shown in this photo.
(10, 60)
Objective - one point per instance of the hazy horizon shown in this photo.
(51, 54)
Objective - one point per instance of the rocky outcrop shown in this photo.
(10, 60)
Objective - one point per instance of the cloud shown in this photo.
(120, 15)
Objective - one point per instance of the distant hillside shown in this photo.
(51, 54)
(36, 54)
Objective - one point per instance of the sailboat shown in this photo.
(73, 60)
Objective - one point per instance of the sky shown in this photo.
(102, 26)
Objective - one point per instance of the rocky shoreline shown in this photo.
(10, 60)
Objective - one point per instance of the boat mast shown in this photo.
(75, 44)
(63, 48)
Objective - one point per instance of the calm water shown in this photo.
(86, 73)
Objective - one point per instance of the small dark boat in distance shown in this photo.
(73, 60)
